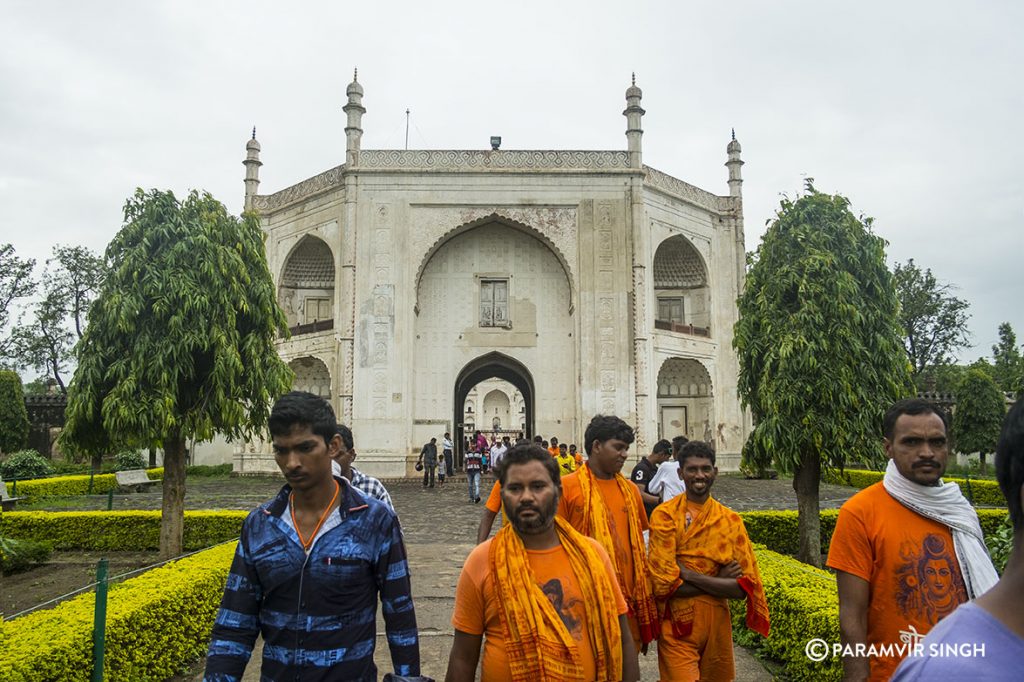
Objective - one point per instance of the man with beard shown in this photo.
(701, 557)
(600, 502)
(309, 566)
(887, 531)
(541, 598)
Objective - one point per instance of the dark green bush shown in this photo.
(13, 414)
(25, 464)
(18, 555)
(209, 470)
(129, 459)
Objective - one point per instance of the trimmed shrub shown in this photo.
(209, 470)
(803, 604)
(777, 530)
(155, 622)
(18, 555)
(120, 531)
(25, 464)
(68, 486)
(978, 490)
(129, 459)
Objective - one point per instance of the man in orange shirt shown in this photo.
(701, 557)
(541, 598)
(602, 503)
(907, 550)
(553, 449)
(491, 509)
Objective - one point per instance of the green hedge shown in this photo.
(982, 491)
(803, 605)
(123, 530)
(155, 623)
(67, 486)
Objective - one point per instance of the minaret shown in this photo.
(734, 164)
(633, 114)
(252, 165)
(355, 111)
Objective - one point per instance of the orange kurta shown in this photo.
(612, 512)
(908, 561)
(696, 636)
(561, 593)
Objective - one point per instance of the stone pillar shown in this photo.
(734, 164)
(634, 113)
(252, 165)
(353, 130)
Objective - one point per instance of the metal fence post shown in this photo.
(110, 499)
(92, 473)
(99, 622)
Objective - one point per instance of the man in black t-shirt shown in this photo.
(645, 470)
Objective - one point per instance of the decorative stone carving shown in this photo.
(687, 192)
(326, 180)
(483, 159)
(553, 225)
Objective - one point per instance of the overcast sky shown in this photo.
(913, 110)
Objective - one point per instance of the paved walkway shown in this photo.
(440, 529)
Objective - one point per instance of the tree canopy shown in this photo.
(978, 417)
(70, 282)
(1008, 364)
(180, 340)
(15, 282)
(934, 321)
(819, 345)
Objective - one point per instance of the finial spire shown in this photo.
(733, 133)
(355, 75)
(254, 132)
(634, 78)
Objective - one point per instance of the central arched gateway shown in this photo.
(493, 366)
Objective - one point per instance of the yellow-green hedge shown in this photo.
(803, 605)
(67, 486)
(122, 530)
(982, 491)
(777, 530)
(155, 623)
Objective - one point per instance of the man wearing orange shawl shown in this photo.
(602, 503)
(700, 558)
(540, 596)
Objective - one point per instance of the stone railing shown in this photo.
(516, 159)
(684, 190)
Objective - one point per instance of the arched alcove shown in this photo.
(312, 375)
(306, 291)
(685, 400)
(681, 288)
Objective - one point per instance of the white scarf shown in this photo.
(947, 505)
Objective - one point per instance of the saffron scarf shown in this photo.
(538, 645)
(595, 512)
(715, 537)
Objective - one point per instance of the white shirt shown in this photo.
(666, 481)
(497, 452)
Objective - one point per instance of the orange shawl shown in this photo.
(595, 524)
(537, 643)
(715, 537)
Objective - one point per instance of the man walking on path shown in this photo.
(473, 464)
(644, 471)
(498, 451)
(995, 620)
(700, 558)
(907, 550)
(667, 483)
(428, 458)
(309, 566)
(342, 467)
(600, 502)
(448, 450)
(541, 598)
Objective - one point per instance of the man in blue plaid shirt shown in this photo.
(343, 467)
(309, 568)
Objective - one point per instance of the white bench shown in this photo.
(135, 479)
(7, 503)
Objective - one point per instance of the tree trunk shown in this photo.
(805, 482)
(152, 458)
(981, 464)
(172, 516)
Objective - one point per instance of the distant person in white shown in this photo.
(666, 482)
